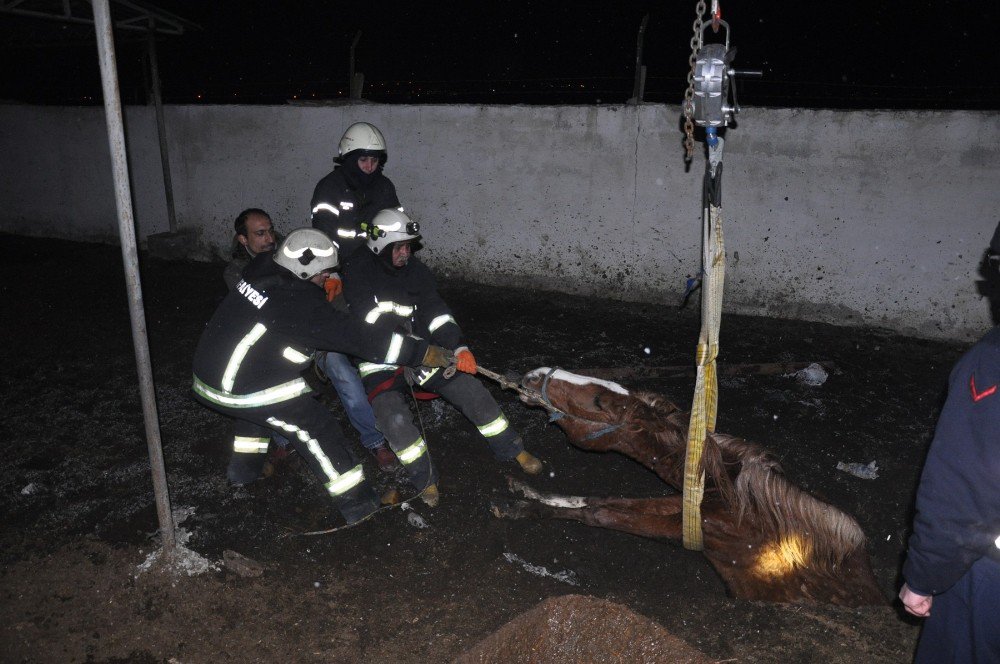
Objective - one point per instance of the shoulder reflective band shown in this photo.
(348, 235)
(326, 207)
(347, 205)
(336, 483)
(283, 392)
(395, 345)
(413, 452)
(499, 425)
(295, 356)
(441, 320)
(368, 368)
(248, 445)
(426, 375)
(386, 307)
(240, 352)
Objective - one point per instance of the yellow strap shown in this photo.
(704, 405)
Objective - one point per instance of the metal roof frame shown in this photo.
(135, 15)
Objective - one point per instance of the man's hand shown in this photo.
(918, 605)
(333, 287)
(436, 356)
(465, 361)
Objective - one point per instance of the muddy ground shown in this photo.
(79, 517)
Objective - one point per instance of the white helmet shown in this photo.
(306, 252)
(365, 137)
(389, 226)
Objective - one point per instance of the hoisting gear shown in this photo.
(707, 104)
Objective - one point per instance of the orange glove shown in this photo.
(333, 287)
(465, 361)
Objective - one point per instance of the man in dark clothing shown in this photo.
(342, 202)
(389, 290)
(953, 555)
(254, 234)
(252, 354)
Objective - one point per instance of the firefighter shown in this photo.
(355, 190)
(346, 198)
(250, 360)
(389, 288)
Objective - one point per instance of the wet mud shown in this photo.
(79, 516)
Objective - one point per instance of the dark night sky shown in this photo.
(843, 54)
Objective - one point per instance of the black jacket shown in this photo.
(958, 500)
(265, 331)
(342, 201)
(386, 298)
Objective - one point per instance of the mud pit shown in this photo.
(76, 493)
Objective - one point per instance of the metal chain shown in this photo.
(688, 105)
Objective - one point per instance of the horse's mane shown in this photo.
(760, 491)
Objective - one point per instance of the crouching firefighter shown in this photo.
(390, 289)
(254, 350)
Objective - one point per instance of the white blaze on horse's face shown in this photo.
(536, 376)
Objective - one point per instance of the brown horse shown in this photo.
(767, 538)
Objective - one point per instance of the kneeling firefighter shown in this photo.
(251, 357)
(390, 289)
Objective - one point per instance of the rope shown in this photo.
(706, 393)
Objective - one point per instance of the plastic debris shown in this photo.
(864, 471)
(814, 375)
(566, 576)
(416, 520)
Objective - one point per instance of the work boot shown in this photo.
(529, 463)
(430, 495)
(384, 457)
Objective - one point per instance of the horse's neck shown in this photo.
(661, 451)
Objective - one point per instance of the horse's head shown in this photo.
(591, 410)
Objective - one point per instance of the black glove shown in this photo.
(436, 356)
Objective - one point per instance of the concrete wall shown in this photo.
(876, 218)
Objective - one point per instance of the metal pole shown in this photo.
(126, 230)
(638, 88)
(161, 127)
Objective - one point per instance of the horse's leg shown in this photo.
(656, 518)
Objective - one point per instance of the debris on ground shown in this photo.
(416, 520)
(864, 471)
(814, 375)
(239, 564)
(566, 576)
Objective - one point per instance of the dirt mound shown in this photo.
(575, 628)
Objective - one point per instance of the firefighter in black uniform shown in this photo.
(252, 354)
(390, 289)
(952, 567)
(355, 191)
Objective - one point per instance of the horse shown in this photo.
(768, 539)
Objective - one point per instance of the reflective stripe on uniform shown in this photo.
(386, 307)
(395, 345)
(250, 445)
(326, 207)
(347, 234)
(499, 425)
(368, 368)
(283, 392)
(347, 481)
(413, 452)
(295, 356)
(441, 320)
(426, 375)
(997, 541)
(336, 483)
(239, 353)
